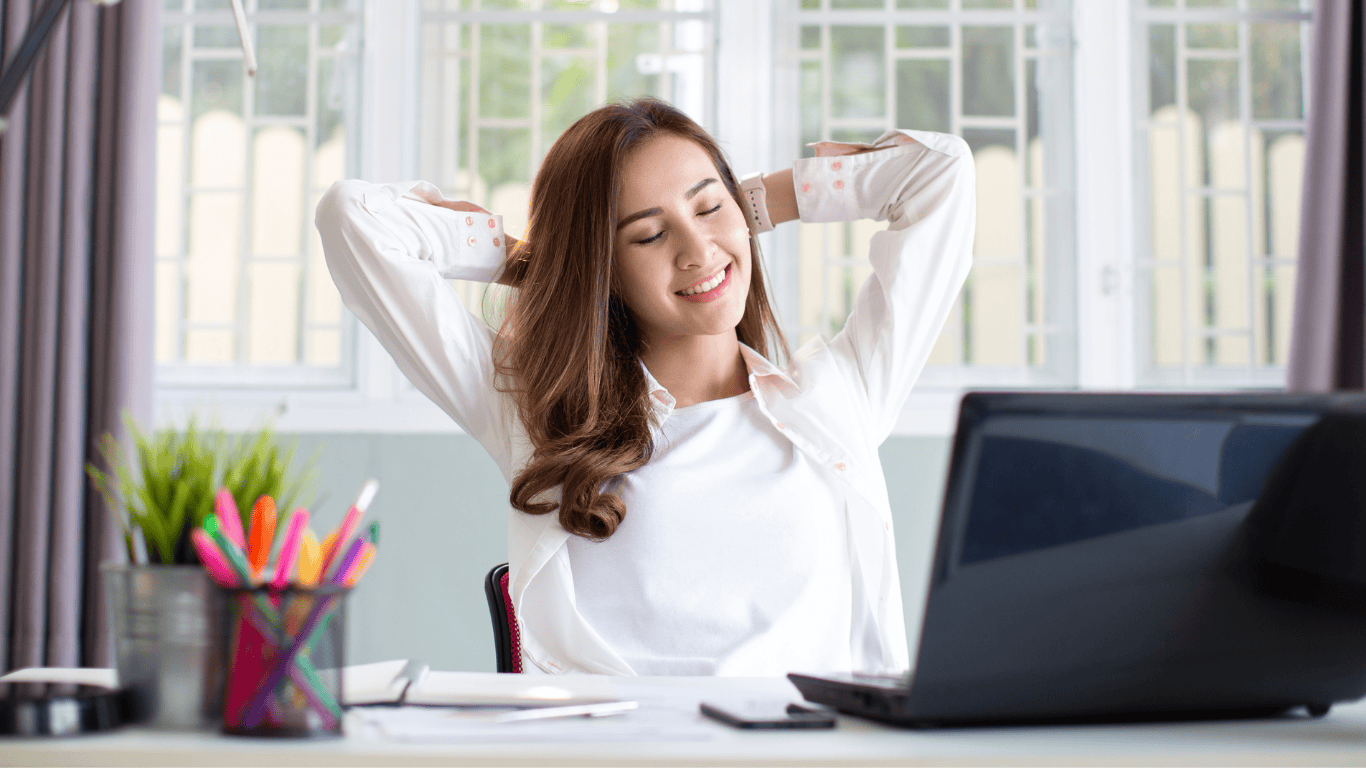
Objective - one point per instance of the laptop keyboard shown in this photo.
(875, 680)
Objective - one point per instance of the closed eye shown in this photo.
(649, 240)
(709, 212)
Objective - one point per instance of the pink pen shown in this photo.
(289, 548)
(229, 519)
(212, 558)
(348, 526)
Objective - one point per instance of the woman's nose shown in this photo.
(694, 247)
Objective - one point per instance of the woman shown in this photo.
(680, 504)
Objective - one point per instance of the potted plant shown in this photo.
(163, 606)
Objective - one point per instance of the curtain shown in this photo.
(1328, 339)
(77, 174)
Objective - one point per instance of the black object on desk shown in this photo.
(1138, 557)
(764, 714)
(61, 709)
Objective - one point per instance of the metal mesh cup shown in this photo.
(285, 652)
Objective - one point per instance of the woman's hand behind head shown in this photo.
(460, 205)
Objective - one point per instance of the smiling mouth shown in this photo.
(709, 284)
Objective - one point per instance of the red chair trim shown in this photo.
(514, 631)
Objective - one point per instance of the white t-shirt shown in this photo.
(732, 558)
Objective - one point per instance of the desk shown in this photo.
(1338, 739)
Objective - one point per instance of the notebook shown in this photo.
(1138, 556)
(412, 683)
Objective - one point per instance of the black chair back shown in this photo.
(506, 637)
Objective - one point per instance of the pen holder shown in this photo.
(285, 656)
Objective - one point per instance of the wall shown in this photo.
(442, 507)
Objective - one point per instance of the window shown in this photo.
(997, 73)
(1220, 125)
(1144, 237)
(242, 294)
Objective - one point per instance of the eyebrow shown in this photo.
(648, 212)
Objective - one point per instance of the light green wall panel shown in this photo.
(442, 507)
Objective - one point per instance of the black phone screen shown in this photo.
(767, 713)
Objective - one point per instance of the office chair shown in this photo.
(507, 638)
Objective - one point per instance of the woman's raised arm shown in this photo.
(390, 249)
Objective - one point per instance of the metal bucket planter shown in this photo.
(167, 642)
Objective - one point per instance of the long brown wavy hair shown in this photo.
(568, 350)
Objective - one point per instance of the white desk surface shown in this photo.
(1338, 739)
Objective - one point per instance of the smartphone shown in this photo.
(768, 713)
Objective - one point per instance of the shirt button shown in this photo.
(837, 165)
(779, 425)
(839, 184)
(806, 187)
(840, 466)
(469, 221)
(472, 240)
(497, 242)
(492, 223)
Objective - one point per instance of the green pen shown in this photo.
(231, 551)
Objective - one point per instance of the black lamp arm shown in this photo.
(12, 77)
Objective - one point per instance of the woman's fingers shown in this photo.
(460, 205)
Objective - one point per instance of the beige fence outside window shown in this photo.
(1221, 110)
(997, 73)
(243, 296)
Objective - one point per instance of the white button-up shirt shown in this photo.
(390, 252)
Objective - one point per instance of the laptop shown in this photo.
(1125, 557)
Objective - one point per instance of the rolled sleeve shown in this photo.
(462, 245)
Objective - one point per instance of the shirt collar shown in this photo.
(759, 368)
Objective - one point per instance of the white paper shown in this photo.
(379, 683)
(97, 676)
(480, 725)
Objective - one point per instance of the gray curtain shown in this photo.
(1328, 342)
(77, 175)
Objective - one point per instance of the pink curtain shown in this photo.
(1328, 341)
(77, 174)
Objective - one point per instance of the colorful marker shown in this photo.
(289, 548)
(229, 517)
(310, 559)
(212, 558)
(359, 567)
(349, 523)
(230, 551)
(262, 534)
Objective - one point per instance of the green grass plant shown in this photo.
(167, 488)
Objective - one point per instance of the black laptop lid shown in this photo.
(1093, 558)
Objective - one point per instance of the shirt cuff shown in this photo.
(829, 189)
(479, 236)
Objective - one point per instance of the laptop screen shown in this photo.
(1045, 479)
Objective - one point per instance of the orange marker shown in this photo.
(262, 535)
(328, 545)
(310, 559)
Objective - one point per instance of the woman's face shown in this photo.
(682, 260)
